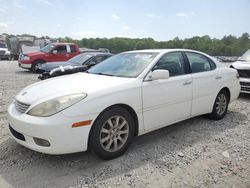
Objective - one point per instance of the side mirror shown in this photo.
(159, 74)
(54, 52)
(92, 63)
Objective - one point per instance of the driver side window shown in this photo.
(173, 62)
(61, 49)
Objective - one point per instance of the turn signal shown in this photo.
(82, 123)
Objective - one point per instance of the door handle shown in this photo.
(187, 83)
(218, 77)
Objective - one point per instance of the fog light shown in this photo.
(41, 142)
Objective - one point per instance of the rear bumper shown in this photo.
(245, 85)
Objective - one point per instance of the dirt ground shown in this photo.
(195, 153)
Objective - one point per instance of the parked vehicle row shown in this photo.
(126, 95)
(17, 44)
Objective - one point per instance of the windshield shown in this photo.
(80, 59)
(47, 48)
(2, 45)
(124, 64)
(245, 56)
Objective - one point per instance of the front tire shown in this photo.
(35, 65)
(220, 106)
(112, 133)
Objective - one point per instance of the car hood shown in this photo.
(3, 49)
(52, 65)
(241, 65)
(34, 53)
(66, 85)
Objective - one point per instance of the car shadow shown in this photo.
(244, 96)
(25, 72)
(156, 148)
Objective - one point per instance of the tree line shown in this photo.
(227, 46)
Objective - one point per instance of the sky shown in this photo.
(161, 20)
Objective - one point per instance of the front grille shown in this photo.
(16, 134)
(244, 73)
(21, 107)
(2, 52)
(245, 83)
(247, 89)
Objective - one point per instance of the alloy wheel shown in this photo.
(114, 133)
(221, 104)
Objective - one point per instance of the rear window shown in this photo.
(199, 63)
(72, 48)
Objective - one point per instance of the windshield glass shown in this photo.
(245, 56)
(47, 48)
(124, 64)
(80, 59)
(2, 45)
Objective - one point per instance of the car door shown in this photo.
(72, 51)
(168, 100)
(206, 82)
(59, 53)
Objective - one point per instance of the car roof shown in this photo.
(62, 43)
(96, 53)
(162, 50)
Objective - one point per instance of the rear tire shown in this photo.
(112, 133)
(35, 65)
(220, 106)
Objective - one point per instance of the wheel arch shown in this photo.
(228, 92)
(129, 109)
(35, 60)
(33, 64)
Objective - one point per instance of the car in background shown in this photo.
(50, 53)
(242, 65)
(128, 94)
(79, 63)
(4, 52)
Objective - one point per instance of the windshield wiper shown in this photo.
(104, 74)
(100, 73)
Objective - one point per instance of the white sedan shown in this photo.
(129, 94)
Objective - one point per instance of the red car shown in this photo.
(53, 52)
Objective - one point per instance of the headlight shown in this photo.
(7, 52)
(56, 105)
(26, 58)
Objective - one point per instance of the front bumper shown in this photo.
(5, 56)
(56, 129)
(245, 85)
(24, 64)
(44, 76)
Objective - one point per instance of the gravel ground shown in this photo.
(194, 153)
